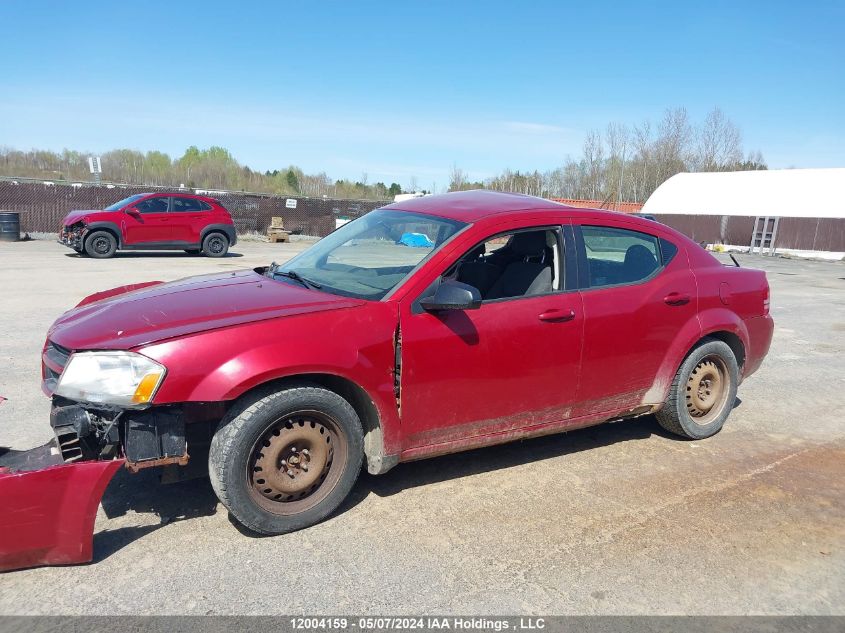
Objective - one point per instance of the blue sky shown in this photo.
(406, 89)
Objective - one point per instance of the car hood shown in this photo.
(75, 216)
(186, 306)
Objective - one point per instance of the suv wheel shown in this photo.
(284, 460)
(215, 245)
(100, 244)
(702, 393)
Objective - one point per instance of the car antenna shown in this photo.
(731, 255)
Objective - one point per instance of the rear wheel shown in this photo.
(100, 244)
(702, 393)
(215, 245)
(285, 460)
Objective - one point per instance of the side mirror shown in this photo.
(132, 211)
(452, 295)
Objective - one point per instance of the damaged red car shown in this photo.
(425, 327)
(151, 221)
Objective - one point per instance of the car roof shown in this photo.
(481, 204)
(470, 206)
(178, 193)
(477, 204)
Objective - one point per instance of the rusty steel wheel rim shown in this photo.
(707, 390)
(296, 462)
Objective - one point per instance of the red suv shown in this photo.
(151, 221)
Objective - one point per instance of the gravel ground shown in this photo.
(615, 519)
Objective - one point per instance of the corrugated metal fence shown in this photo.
(43, 205)
(812, 234)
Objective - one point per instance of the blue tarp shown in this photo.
(419, 240)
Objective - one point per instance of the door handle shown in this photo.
(557, 316)
(676, 299)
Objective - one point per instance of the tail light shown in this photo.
(766, 299)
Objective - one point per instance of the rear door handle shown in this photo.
(557, 316)
(676, 299)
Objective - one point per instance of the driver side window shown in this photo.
(513, 265)
(153, 205)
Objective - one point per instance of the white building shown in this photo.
(728, 207)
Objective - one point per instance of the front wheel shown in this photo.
(215, 245)
(702, 393)
(100, 245)
(285, 460)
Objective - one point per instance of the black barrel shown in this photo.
(10, 226)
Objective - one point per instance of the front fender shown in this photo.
(222, 365)
(109, 226)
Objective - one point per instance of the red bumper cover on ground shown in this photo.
(48, 508)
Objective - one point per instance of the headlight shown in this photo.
(118, 378)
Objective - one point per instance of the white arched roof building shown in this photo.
(730, 207)
(802, 193)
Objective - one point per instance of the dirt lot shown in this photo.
(616, 519)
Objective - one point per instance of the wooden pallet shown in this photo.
(276, 235)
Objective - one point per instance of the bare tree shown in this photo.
(719, 143)
(594, 164)
(617, 136)
(457, 178)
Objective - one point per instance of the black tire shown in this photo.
(685, 412)
(193, 251)
(247, 458)
(215, 245)
(100, 245)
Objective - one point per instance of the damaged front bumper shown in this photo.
(49, 495)
(72, 236)
(48, 507)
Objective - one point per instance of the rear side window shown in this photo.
(619, 256)
(153, 205)
(667, 250)
(186, 204)
(205, 206)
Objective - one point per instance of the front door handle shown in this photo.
(676, 299)
(557, 316)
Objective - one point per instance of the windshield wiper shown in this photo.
(292, 274)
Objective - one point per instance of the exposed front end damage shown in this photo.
(73, 236)
(145, 438)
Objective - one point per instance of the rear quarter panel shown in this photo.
(732, 299)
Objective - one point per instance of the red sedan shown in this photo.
(425, 327)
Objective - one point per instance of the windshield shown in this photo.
(370, 256)
(119, 205)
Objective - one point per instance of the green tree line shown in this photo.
(212, 168)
